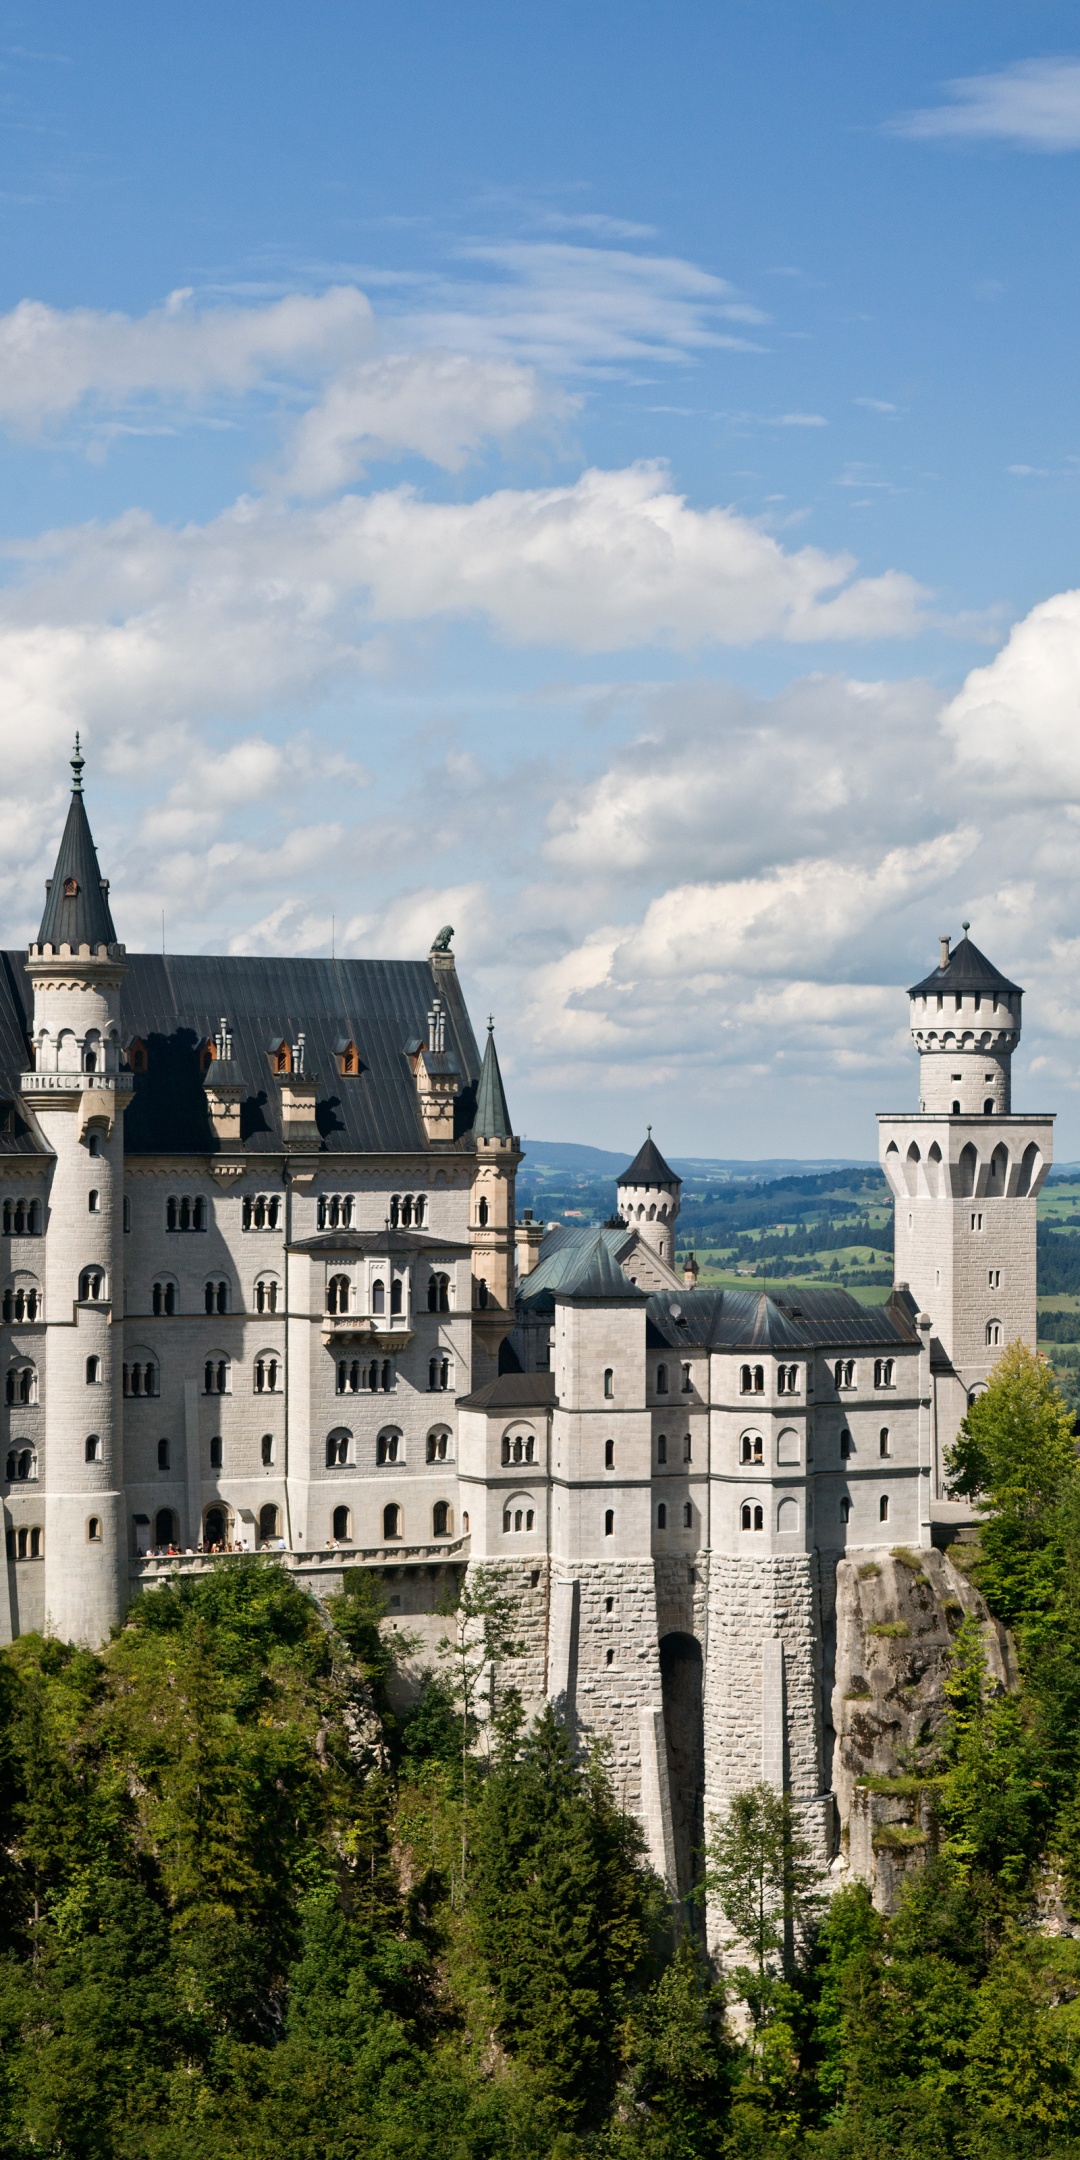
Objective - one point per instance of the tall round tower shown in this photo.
(78, 1093)
(965, 1023)
(649, 1199)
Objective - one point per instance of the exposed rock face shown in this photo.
(896, 1616)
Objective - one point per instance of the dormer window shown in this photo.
(281, 1057)
(348, 1060)
(71, 888)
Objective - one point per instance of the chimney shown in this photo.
(690, 1272)
(945, 952)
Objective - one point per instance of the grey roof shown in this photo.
(756, 1320)
(968, 969)
(492, 1120)
(649, 1167)
(387, 1241)
(512, 1391)
(174, 1005)
(77, 908)
(579, 1264)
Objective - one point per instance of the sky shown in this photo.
(605, 477)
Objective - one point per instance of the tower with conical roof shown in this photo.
(649, 1199)
(491, 1232)
(965, 1170)
(78, 1092)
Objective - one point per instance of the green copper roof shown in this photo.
(492, 1120)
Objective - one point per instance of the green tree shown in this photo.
(758, 1865)
(481, 1633)
(1015, 1456)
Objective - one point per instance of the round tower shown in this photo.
(78, 1093)
(649, 1200)
(965, 1022)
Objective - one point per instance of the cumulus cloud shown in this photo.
(1033, 104)
(439, 406)
(53, 360)
(1014, 723)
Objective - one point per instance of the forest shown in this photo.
(248, 1910)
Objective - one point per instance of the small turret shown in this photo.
(492, 1231)
(965, 1023)
(649, 1199)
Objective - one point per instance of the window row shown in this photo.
(687, 1382)
(356, 1376)
(847, 1444)
(408, 1211)
(23, 1218)
(687, 1515)
(21, 1464)
(662, 1448)
(26, 1543)
(752, 1380)
(22, 1301)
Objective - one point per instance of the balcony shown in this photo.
(375, 1331)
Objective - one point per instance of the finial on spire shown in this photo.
(967, 927)
(491, 1023)
(648, 1129)
(77, 763)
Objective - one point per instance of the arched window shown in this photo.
(93, 1529)
(967, 1167)
(845, 1509)
(93, 1201)
(406, 1211)
(746, 1515)
(267, 1373)
(266, 1449)
(22, 1218)
(22, 1385)
(163, 1454)
(397, 1292)
(217, 1376)
(759, 1518)
(688, 1515)
(216, 1296)
(661, 1379)
(342, 1525)
(391, 1520)
(388, 1447)
(163, 1298)
(609, 1384)
(884, 1372)
(759, 1379)
(883, 1440)
(993, 1334)
(187, 1211)
(164, 1527)
(661, 1447)
(338, 1449)
(215, 1528)
(687, 1380)
(482, 1214)
(438, 1445)
(337, 1294)
(93, 1371)
(609, 1522)
(787, 1516)
(787, 1445)
(746, 1380)
(438, 1374)
(988, 1106)
(440, 1519)
(438, 1294)
(21, 1466)
(482, 1294)
(217, 1453)
(420, 1210)
(269, 1522)
(661, 1516)
(609, 1454)
(93, 1447)
(267, 1293)
(91, 1285)
(883, 1508)
(22, 1301)
(378, 1295)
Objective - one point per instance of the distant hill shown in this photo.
(562, 1156)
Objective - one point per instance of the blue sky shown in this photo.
(606, 477)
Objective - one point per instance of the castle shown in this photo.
(265, 1288)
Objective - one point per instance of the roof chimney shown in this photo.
(945, 952)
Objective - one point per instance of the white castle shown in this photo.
(265, 1288)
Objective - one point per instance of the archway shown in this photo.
(684, 1730)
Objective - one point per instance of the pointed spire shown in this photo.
(77, 908)
(492, 1120)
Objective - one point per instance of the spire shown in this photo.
(649, 1167)
(77, 896)
(492, 1120)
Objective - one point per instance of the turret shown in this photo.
(78, 1093)
(492, 1230)
(649, 1199)
(965, 1023)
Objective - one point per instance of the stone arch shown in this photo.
(912, 1162)
(787, 1516)
(1030, 1165)
(684, 1732)
(933, 1170)
(967, 1170)
(999, 1170)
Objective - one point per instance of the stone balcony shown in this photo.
(370, 1331)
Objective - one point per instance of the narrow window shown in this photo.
(482, 1214)
(845, 1509)
(378, 1296)
(440, 1519)
(759, 1448)
(883, 1440)
(609, 1384)
(269, 1522)
(507, 1519)
(661, 1379)
(661, 1448)
(993, 1334)
(341, 1525)
(745, 1452)
(846, 1445)
(396, 1293)
(93, 1447)
(529, 1518)
(746, 1380)
(127, 1212)
(988, 1106)
(688, 1515)
(267, 1449)
(518, 1518)
(759, 1518)
(661, 1516)
(163, 1454)
(956, 1109)
(687, 1381)
(391, 1520)
(759, 1379)
(609, 1454)
(609, 1522)
(93, 1529)
(883, 1508)
(216, 1452)
(93, 1200)
(687, 1448)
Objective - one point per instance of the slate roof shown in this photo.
(404, 1242)
(648, 1168)
(81, 915)
(570, 1260)
(756, 1320)
(512, 1391)
(174, 1005)
(968, 969)
(492, 1121)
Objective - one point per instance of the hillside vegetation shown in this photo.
(247, 1913)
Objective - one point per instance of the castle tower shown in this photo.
(965, 1171)
(649, 1200)
(492, 1233)
(78, 1093)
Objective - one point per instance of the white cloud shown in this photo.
(1014, 722)
(440, 406)
(1033, 104)
(802, 419)
(53, 360)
